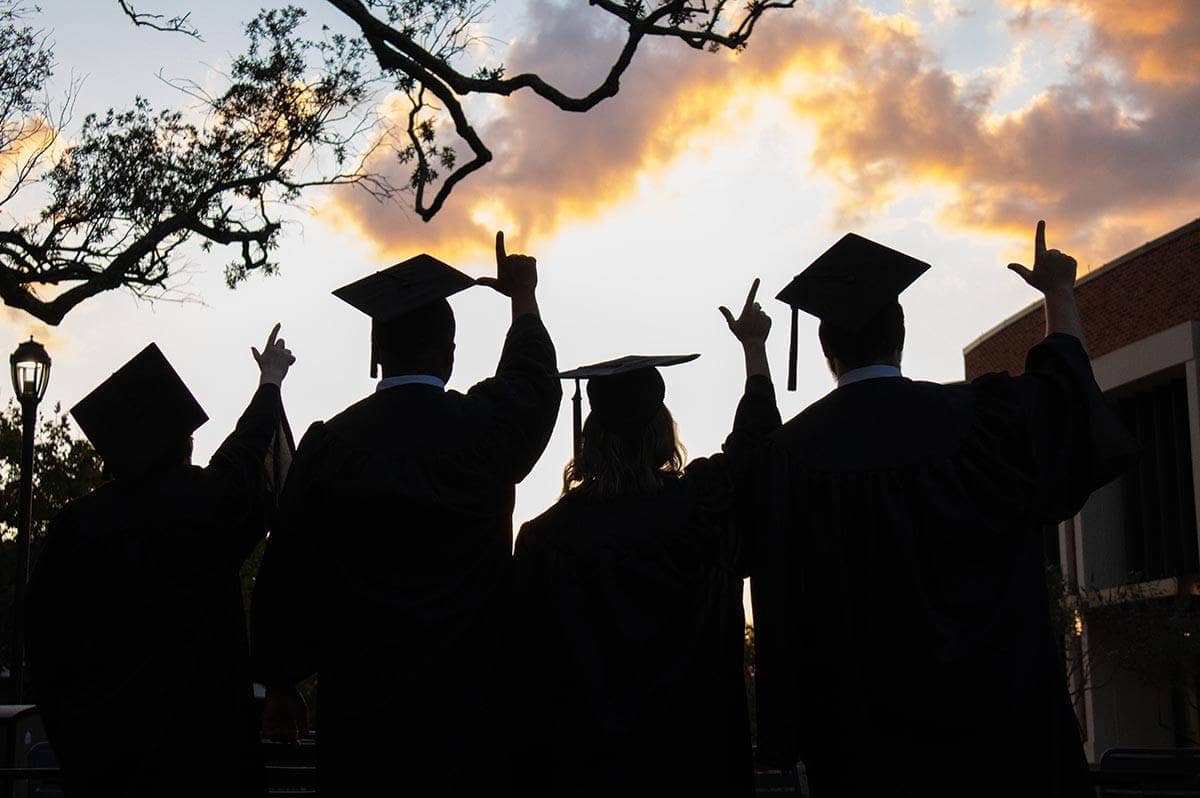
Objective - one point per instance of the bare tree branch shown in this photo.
(418, 40)
(179, 24)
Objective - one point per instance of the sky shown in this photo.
(941, 128)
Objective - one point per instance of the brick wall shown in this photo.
(1150, 289)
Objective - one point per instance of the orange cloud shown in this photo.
(18, 326)
(1113, 160)
(1112, 155)
(1153, 42)
(553, 168)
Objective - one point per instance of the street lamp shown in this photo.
(30, 375)
(30, 371)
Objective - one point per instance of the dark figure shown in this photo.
(137, 632)
(900, 604)
(388, 572)
(628, 598)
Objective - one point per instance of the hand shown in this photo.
(516, 275)
(274, 361)
(753, 325)
(284, 715)
(1052, 271)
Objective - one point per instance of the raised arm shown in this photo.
(1072, 440)
(247, 470)
(516, 278)
(725, 480)
(522, 398)
(240, 457)
(751, 329)
(757, 414)
(1053, 274)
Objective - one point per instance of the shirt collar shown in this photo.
(411, 379)
(875, 372)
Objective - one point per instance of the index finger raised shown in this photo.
(500, 254)
(271, 337)
(1039, 240)
(750, 297)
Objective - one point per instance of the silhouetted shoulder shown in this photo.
(879, 424)
(556, 524)
(410, 419)
(85, 505)
(578, 526)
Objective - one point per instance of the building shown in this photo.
(1128, 561)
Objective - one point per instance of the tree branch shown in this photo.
(161, 22)
(428, 65)
(137, 184)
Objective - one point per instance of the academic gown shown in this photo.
(628, 651)
(899, 589)
(136, 628)
(388, 575)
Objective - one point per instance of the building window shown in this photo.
(1159, 507)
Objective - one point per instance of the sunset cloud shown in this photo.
(551, 167)
(1111, 152)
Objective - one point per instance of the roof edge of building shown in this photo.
(1165, 238)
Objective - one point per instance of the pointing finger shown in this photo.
(500, 255)
(271, 337)
(750, 297)
(1039, 241)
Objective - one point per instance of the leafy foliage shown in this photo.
(26, 64)
(65, 467)
(1135, 630)
(139, 182)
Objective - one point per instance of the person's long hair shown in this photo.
(640, 463)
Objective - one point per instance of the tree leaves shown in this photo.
(140, 182)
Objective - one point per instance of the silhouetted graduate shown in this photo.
(628, 597)
(900, 604)
(137, 637)
(388, 572)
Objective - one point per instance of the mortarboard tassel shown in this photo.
(374, 359)
(577, 400)
(792, 352)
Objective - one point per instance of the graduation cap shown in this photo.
(401, 289)
(624, 393)
(848, 285)
(138, 413)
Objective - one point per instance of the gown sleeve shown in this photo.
(243, 480)
(1071, 442)
(521, 402)
(724, 481)
(283, 605)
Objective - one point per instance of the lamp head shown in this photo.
(30, 371)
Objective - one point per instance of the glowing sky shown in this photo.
(941, 128)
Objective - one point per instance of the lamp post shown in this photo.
(30, 375)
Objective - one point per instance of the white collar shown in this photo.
(874, 372)
(411, 379)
